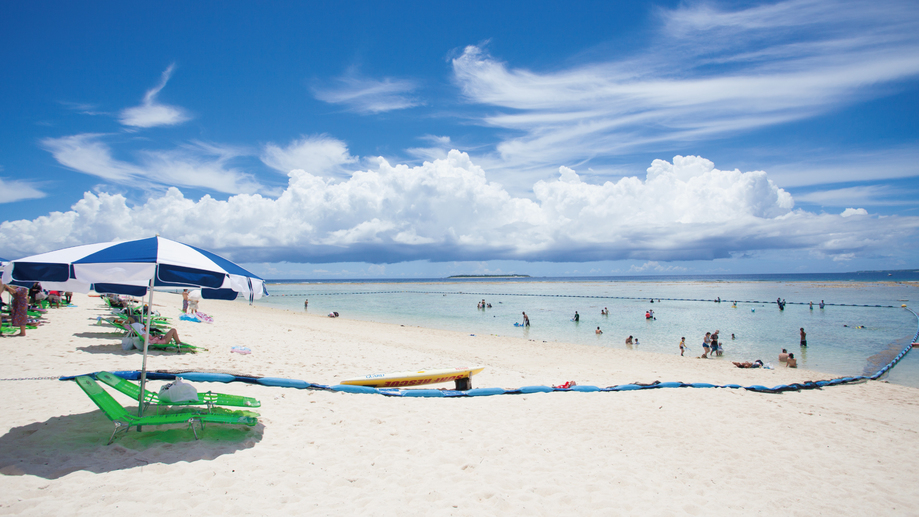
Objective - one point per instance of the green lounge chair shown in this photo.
(138, 330)
(209, 399)
(124, 420)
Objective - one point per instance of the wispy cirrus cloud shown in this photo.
(151, 113)
(711, 72)
(195, 165)
(850, 167)
(369, 96)
(18, 190)
(864, 195)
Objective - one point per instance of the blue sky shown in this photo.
(357, 139)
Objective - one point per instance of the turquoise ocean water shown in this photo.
(860, 330)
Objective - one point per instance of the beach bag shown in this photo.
(178, 391)
(131, 342)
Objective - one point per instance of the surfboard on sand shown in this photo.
(460, 375)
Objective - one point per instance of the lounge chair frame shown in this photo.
(123, 420)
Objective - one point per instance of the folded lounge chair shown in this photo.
(208, 399)
(124, 420)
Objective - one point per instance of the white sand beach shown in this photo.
(840, 450)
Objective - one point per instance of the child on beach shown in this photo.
(599, 331)
(682, 345)
(791, 362)
(706, 345)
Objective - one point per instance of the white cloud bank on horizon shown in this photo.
(448, 210)
(151, 113)
(711, 72)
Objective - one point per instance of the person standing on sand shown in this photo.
(706, 345)
(682, 345)
(19, 306)
(803, 337)
(185, 301)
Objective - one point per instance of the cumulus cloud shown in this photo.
(365, 95)
(195, 165)
(151, 113)
(849, 212)
(713, 71)
(320, 155)
(17, 190)
(448, 210)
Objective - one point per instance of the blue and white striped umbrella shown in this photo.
(129, 267)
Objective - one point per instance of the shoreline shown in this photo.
(671, 451)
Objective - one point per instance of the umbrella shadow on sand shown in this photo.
(65, 444)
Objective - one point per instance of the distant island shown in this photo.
(489, 276)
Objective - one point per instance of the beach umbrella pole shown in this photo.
(143, 370)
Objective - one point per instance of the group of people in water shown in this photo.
(711, 343)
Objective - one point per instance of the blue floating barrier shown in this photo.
(702, 385)
(422, 393)
(484, 392)
(347, 388)
(536, 389)
(586, 388)
(670, 385)
(453, 393)
(130, 375)
(207, 377)
(625, 387)
(284, 383)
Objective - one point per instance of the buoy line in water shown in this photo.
(298, 295)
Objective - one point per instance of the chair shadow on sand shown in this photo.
(70, 443)
(99, 335)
